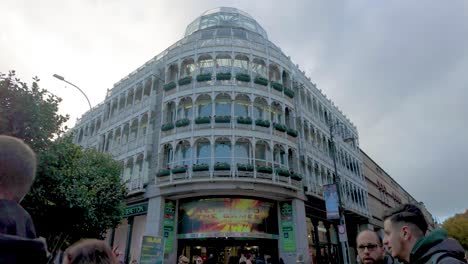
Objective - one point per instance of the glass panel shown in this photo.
(242, 153)
(223, 32)
(241, 109)
(203, 153)
(258, 112)
(204, 109)
(223, 109)
(223, 152)
(238, 33)
(260, 152)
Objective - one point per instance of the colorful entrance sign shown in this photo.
(227, 217)
(168, 226)
(287, 227)
(152, 250)
(330, 193)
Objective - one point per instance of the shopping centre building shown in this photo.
(226, 146)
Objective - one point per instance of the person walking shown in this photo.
(405, 237)
(371, 250)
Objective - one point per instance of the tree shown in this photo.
(29, 113)
(457, 227)
(77, 193)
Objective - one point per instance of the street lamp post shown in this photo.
(336, 181)
(63, 79)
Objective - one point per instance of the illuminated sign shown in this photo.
(229, 217)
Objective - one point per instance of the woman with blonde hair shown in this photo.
(89, 251)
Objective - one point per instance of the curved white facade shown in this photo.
(224, 113)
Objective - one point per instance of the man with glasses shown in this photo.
(371, 250)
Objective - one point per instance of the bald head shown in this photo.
(370, 248)
(17, 168)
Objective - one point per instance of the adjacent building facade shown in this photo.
(225, 146)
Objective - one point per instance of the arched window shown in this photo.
(143, 125)
(274, 73)
(259, 67)
(125, 134)
(184, 109)
(170, 112)
(172, 73)
(223, 63)
(205, 63)
(130, 98)
(134, 130)
(241, 106)
(138, 93)
(183, 153)
(128, 172)
(204, 105)
(276, 113)
(167, 156)
(223, 105)
(279, 155)
(241, 64)
(117, 138)
(203, 151)
(223, 150)
(242, 152)
(187, 67)
(260, 108)
(262, 154)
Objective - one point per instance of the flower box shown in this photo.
(289, 93)
(223, 76)
(243, 77)
(277, 86)
(202, 120)
(291, 132)
(244, 120)
(185, 80)
(283, 172)
(262, 123)
(200, 167)
(167, 127)
(204, 77)
(280, 127)
(261, 81)
(222, 166)
(163, 172)
(169, 86)
(245, 167)
(263, 169)
(222, 119)
(179, 169)
(182, 122)
(296, 177)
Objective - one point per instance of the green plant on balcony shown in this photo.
(200, 167)
(289, 93)
(283, 172)
(203, 120)
(296, 177)
(245, 167)
(222, 166)
(292, 132)
(179, 169)
(167, 127)
(261, 81)
(277, 86)
(169, 86)
(182, 122)
(185, 80)
(222, 76)
(280, 127)
(264, 169)
(243, 77)
(262, 123)
(163, 172)
(222, 119)
(204, 77)
(244, 120)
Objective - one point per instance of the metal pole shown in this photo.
(336, 181)
(63, 79)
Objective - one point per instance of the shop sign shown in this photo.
(137, 209)
(152, 250)
(169, 225)
(330, 193)
(287, 227)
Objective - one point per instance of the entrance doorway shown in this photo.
(226, 251)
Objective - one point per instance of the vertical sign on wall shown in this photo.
(168, 226)
(330, 193)
(152, 250)
(287, 227)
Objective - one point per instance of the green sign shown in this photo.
(168, 226)
(287, 227)
(137, 209)
(152, 250)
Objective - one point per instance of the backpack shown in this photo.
(439, 256)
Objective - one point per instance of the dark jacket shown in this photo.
(15, 249)
(14, 220)
(437, 242)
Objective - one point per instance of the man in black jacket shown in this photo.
(405, 237)
(18, 240)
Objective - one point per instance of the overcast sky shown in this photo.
(397, 69)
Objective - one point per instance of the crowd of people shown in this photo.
(406, 239)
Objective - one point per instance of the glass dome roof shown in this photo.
(225, 17)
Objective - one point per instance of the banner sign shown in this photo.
(137, 209)
(152, 250)
(238, 217)
(287, 227)
(169, 225)
(330, 193)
